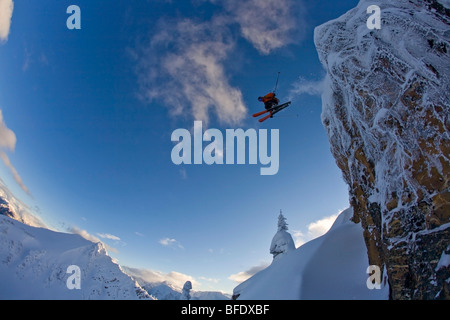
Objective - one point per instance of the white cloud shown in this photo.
(191, 77)
(268, 24)
(244, 275)
(314, 230)
(320, 227)
(86, 235)
(184, 63)
(14, 172)
(83, 233)
(108, 236)
(6, 11)
(168, 242)
(310, 87)
(213, 280)
(20, 210)
(7, 136)
(8, 142)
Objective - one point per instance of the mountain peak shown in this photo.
(37, 263)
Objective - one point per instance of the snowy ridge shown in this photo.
(330, 267)
(12, 207)
(166, 291)
(34, 262)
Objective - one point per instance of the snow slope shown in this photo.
(34, 263)
(330, 267)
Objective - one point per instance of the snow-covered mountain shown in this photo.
(36, 263)
(166, 291)
(332, 266)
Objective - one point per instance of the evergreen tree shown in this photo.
(282, 225)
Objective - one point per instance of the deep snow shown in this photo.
(330, 267)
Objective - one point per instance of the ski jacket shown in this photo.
(269, 97)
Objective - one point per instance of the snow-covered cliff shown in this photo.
(386, 108)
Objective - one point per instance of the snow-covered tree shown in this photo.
(186, 292)
(282, 225)
(282, 242)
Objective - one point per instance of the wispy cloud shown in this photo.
(213, 280)
(244, 275)
(21, 211)
(7, 136)
(268, 24)
(184, 62)
(314, 230)
(6, 11)
(305, 86)
(86, 235)
(191, 77)
(168, 242)
(108, 236)
(8, 142)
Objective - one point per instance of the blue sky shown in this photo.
(92, 112)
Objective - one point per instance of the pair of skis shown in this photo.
(272, 111)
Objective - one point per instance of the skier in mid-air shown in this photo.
(270, 100)
(271, 104)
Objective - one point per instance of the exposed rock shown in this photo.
(386, 109)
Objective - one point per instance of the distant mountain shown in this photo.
(166, 291)
(39, 264)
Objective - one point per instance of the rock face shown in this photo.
(386, 108)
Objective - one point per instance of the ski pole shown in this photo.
(276, 86)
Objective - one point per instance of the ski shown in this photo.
(272, 111)
(284, 105)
